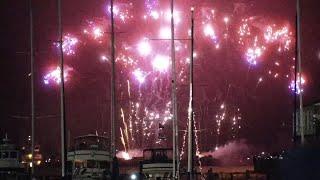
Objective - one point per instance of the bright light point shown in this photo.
(133, 176)
(154, 15)
(226, 19)
(139, 75)
(126, 156)
(97, 33)
(208, 31)
(260, 79)
(195, 55)
(104, 58)
(192, 8)
(216, 148)
(165, 33)
(144, 48)
(161, 63)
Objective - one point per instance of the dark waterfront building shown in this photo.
(311, 117)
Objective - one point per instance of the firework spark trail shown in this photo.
(125, 128)
(130, 110)
(197, 144)
(183, 143)
(123, 140)
(219, 119)
(236, 122)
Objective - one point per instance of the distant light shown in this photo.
(133, 176)
(192, 8)
(29, 156)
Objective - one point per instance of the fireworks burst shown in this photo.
(147, 62)
(69, 44)
(295, 85)
(53, 76)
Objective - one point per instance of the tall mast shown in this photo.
(299, 72)
(113, 102)
(62, 100)
(32, 86)
(190, 110)
(174, 102)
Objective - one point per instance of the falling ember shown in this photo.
(295, 87)
(54, 75)
(161, 63)
(68, 45)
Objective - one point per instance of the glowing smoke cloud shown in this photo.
(231, 153)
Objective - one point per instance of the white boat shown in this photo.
(90, 157)
(10, 163)
(157, 164)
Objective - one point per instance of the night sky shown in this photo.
(222, 75)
